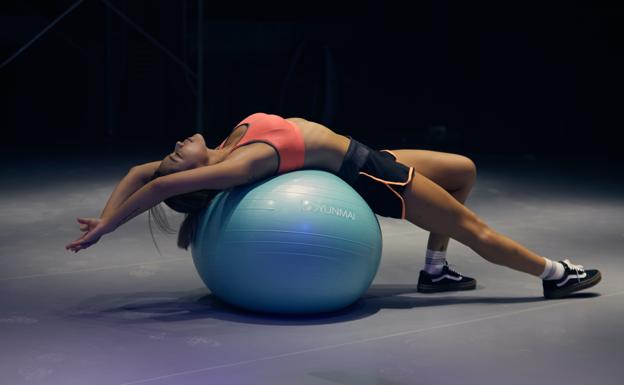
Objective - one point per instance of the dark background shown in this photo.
(504, 78)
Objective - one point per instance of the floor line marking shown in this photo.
(328, 347)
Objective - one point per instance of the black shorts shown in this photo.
(377, 177)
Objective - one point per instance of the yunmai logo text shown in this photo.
(314, 207)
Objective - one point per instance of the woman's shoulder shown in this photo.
(259, 158)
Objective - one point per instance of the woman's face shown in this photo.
(188, 153)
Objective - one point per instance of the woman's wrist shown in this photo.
(107, 225)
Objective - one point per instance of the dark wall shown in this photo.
(505, 78)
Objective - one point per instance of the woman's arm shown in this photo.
(149, 195)
(134, 179)
(146, 170)
(219, 176)
(126, 187)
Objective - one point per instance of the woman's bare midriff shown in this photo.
(324, 149)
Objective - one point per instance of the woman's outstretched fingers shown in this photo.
(99, 228)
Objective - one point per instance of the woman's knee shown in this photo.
(461, 174)
(469, 169)
(434, 209)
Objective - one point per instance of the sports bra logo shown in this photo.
(314, 207)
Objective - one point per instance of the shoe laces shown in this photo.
(451, 269)
(578, 268)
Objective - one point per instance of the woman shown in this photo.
(427, 188)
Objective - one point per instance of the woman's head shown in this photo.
(187, 154)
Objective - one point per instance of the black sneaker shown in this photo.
(574, 278)
(447, 280)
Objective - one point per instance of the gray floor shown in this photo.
(121, 313)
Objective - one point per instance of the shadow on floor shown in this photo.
(142, 308)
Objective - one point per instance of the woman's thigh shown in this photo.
(432, 208)
(450, 171)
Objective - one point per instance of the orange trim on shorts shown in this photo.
(409, 178)
(395, 157)
(387, 183)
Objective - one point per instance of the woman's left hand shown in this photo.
(92, 235)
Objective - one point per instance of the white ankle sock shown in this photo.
(553, 270)
(434, 261)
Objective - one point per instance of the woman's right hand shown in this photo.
(94, 229)
(88, 224)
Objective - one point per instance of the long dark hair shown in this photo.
(190, 204)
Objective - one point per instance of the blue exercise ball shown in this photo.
(300, 242)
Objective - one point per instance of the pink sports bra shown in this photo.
(283, 135)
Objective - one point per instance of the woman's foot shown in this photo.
(575, 278)
(447, 280)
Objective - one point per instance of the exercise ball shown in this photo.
(300, 242)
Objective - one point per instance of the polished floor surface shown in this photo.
(120, 312)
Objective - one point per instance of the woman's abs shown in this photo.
(324, 149)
